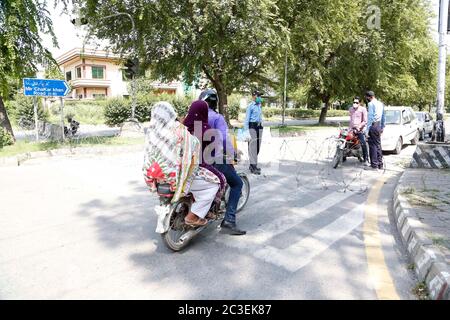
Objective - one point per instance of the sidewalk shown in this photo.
(422, 215)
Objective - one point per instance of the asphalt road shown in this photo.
(83, 228)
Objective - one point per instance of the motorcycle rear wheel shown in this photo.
(177, 228)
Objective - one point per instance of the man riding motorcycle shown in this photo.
(224, 161)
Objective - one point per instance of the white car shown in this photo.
(401, 128)
(426, 124)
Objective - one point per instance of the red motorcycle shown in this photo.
(347, 145)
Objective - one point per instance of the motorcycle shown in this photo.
(174, 232)
(72, 129)
(347, 145)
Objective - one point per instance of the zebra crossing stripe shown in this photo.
(292, 217)
(304, 251)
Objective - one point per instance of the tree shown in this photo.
(340, 54)
(323, 35)
(20, 44)
(230, 42)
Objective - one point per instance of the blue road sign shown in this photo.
(45, 87)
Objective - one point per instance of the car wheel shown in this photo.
(398, 147)
(416, 138)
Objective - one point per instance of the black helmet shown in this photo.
(210, 96)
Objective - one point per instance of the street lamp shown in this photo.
(134, 60)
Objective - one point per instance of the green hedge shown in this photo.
(302, 113)
(118, 110)
(83, 111)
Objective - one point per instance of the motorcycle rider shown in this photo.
(223, 162)
(358, 121)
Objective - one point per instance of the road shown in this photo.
(83, 228)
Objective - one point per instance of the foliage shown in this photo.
(332, 52)
(118, 110)
(53, 72)
(228, 42)
(302, 113)
(234, 105)
(5, 138)
(20, 43)
(84, 111)
(336, 55)
(21, 50)
(23, 110)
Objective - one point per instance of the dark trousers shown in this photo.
(254, 145)
(362, 140)
(235, 183)
(376, 155)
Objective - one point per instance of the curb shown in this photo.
(429, 264)
(21, 158)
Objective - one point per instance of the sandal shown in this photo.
(210, 215)
(196, 223)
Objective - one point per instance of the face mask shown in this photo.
(258, 100)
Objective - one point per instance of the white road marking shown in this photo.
(281, 223)
(304, 251)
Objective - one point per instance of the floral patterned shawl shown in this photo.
(171, 152)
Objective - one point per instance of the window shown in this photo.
(97, 72)
(98, 96)
(68, 75)
(79, 72)
(392, 117)
(405, 116)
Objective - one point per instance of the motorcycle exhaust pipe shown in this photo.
(190, 234)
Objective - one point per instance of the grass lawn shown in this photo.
(27, 146)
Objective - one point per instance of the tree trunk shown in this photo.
(4, 120)
(223, 99)
(323, 112)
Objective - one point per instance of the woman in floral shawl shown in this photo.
(172, 156)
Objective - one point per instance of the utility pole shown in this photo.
(285, 89)
(443, 21)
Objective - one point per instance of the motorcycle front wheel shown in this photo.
(245, 193)
(339, 155)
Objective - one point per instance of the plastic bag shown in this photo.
(243, 135)
(163, 222)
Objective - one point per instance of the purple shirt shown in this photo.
(217, 121)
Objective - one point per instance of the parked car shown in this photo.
(426, 123)
(401, 128)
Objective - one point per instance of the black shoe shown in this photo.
(231, 228)
(254, 170)
(258, 169)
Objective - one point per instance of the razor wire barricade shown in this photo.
(308, 160)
